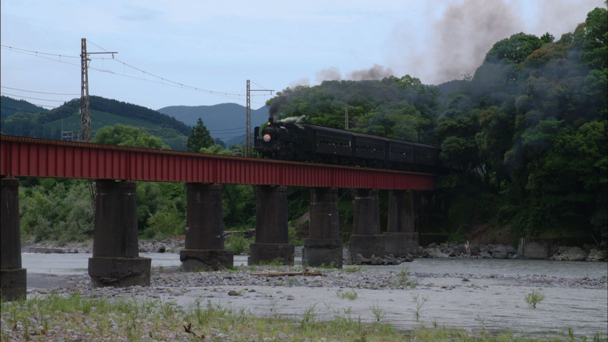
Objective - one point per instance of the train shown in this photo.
(312, 143)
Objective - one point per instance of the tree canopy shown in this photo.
(199, 137)
(128, 136)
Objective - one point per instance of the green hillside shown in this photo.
(104, 112)
(12, 106)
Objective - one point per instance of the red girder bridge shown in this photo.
(30, 157)
(115, 169)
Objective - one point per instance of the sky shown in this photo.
(199, 52)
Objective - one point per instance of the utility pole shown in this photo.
(346, 116)
(249, 142)
(85, 106)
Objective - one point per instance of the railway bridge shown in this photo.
(115, 260)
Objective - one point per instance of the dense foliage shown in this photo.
(199, 137)
(528, 130)
(30, 122)
(12, 106)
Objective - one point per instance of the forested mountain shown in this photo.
(226, 121)
(12, 106)
(528, 129)
(104, 112)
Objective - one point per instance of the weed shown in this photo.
(534, 298)
(404, 281)
(419, 304)
(378, 312)
(352, 295)
(353, 269)
(308, 316)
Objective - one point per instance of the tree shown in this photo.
(128, 136)
(199, 137)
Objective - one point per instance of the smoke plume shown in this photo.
(377, 72)
(276, 105)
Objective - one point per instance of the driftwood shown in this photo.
(289, 274)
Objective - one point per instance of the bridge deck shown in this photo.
(61, 159)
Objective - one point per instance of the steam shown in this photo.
(376, 72)
(329, 74)
(465, 33)
(277, 104)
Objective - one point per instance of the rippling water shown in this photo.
(63, 264)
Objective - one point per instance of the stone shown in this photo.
(233, 293)
(569, 254)
(595, 255)
(360, 260)
(431, 252)
(474, 249)
(205, 260)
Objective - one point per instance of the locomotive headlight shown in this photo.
(266, 137)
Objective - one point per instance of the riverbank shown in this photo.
(592, 253)
(474, 296)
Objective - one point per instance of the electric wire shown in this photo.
(38, 92)
(163, 81)
(33, 98)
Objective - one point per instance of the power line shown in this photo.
(33, 98)
(163, 81)
(38, 52)
(38, 92)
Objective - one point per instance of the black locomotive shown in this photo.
(305, 142)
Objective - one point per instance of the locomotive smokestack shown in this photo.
(271, 119)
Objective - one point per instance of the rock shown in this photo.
(162, 249)
(569, 254)
(233, 293)
(408, 258)
(376, 260)
(431, 252)
(290, 297)
(475, 250)
(595, 255)
(498, 252)
(360, 260)
(391, 260)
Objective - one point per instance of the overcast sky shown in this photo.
(218, 45)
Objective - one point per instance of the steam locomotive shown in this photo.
(305, 142)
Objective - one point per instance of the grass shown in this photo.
(403, 280)
(47, 318)
(352, 295)
(534, 298)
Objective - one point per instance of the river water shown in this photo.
(77, 263)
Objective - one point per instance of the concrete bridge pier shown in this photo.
(13, 278)
(366, 238)
(116, 260)
(324, 245)
(402, 232)
(204, 248)
(271, 232)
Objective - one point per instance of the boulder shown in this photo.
(475, 250)
(431, 252)
(569, 254)
(595, 255)
(498, 252)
